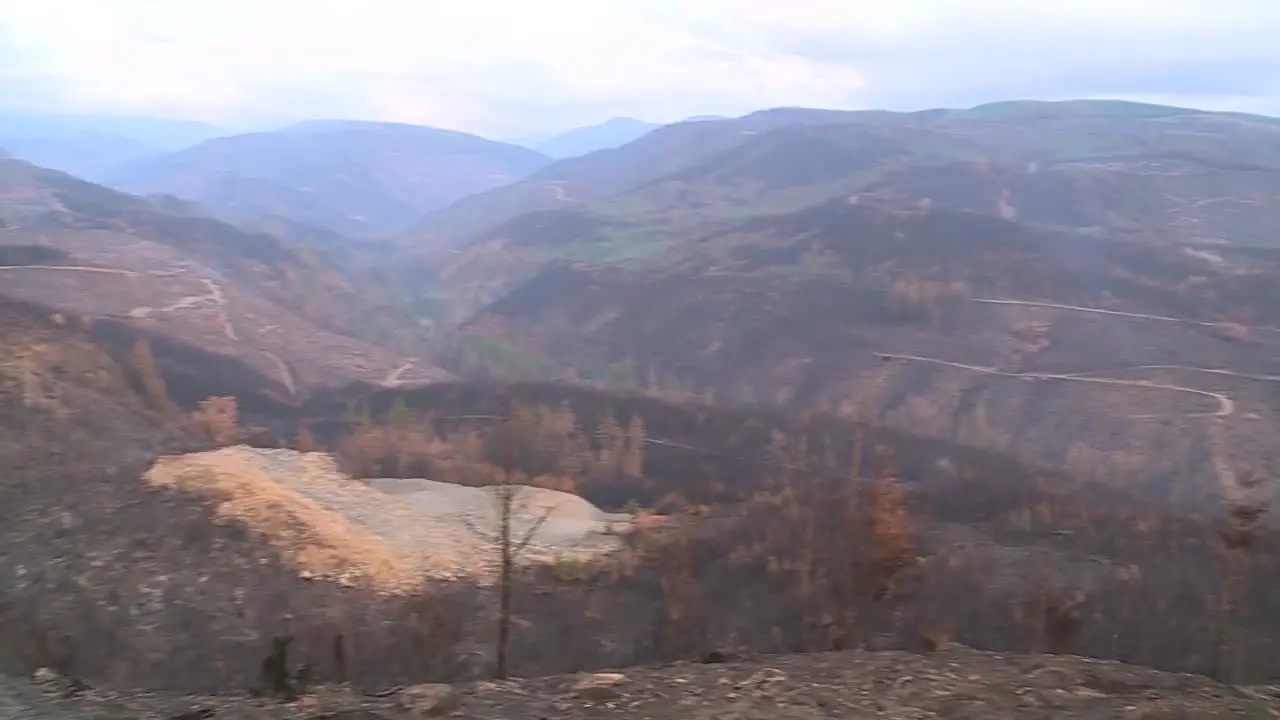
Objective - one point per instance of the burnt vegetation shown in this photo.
(758, 531)
(776, 504)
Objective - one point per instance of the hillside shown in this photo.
(84, 153)
(608, 134)
(1125, 359)
(112, 578)
(1069, 164)
(94, 254)
(350, 177)
(94, 147)
(88, 500)
(991, 254)
(1019, 360)
(980, 526)
(161, 133)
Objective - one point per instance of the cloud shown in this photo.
(505, 68)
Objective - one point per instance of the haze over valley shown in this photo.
(799, 350)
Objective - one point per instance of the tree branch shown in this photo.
(537, 525)
(470, 525)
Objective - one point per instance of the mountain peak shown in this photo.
(611, 133)
(350, 176)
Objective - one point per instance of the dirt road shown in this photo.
(558, 191)
(393, 377)
(215, 296)
(1116, 313)
(78, 268)
(1226, 406)
(286, 374)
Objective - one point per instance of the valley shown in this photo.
(803, 388)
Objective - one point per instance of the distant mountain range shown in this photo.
(93, 146)
(779, 257)
(348, 176)
(1071, 156)
(159, 133)
(608, 134)
(351, 177)
(993, 310)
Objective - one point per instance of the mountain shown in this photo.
(166, 134)
(1090, 168)
(1015, 356)
(84, 153)
(608, 134)
(590, 178)
(94, 147)
(1037, 278)
(193, 283)
(1170, 160)
(347, 176)
(970, 327)
(334, 249)
(163, 134)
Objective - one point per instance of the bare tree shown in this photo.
(511, 510)
(509, 542)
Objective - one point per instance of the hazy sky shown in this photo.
(516, 68)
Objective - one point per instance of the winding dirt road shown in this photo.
(393, 377)
(1117, 313)
(80, 268)
(557, 189)
(1211, 371)
(219, 299)
(1226, 406)
(215, 296)
(286, 373)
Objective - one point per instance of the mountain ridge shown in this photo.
(582, 140)
(657, 172)
(86, 250)
(348, 176)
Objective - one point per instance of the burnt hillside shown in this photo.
(1103, 355)
(121, 598)
(114, 581)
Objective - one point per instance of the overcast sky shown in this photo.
(508, 68)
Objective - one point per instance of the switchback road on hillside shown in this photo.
(1226, 406)
(214, 296)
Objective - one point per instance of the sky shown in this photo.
(509, 68)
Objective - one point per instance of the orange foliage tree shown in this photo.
(217, 420)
